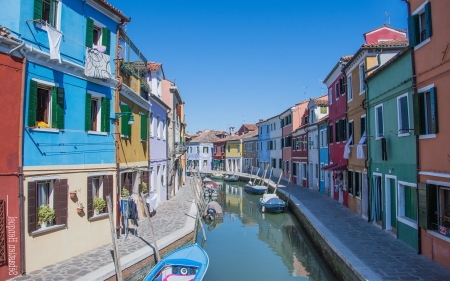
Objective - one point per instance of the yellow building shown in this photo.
(233, 154)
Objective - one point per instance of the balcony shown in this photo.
(179, 149)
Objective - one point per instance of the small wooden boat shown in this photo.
(255, 188)
(271, 203)
(210, 184)
(187, 263)
(230, 178)
(216, 176)
(212, 211)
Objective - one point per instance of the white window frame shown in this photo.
(51, 191)
(58, 16)
(365, 122)
(330, 95)
(158, 128)
(349, 88)
(46, 85)
(401, 204)
(377, 135)
(399, 119)
(348, 132)
(305, 170)
(419, 11)
(362, 70)
(336, 90)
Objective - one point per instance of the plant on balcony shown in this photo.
(127, 68)
(125, 193)
(145, 87)
(45, 215)
(99, 205)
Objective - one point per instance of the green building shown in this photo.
(392, 148)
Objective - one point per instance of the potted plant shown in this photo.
(73, 194)
(45, 215)
(144, 187)
(125, 193)
(80, 208)
(99, 205)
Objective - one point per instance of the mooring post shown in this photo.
(158, 258)
(114, 239)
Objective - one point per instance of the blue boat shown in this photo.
(255, 189)
(271, 203)
(185, 264)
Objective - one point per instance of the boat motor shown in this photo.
(211, 213)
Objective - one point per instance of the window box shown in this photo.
(127, 68)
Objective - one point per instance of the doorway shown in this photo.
(391, 203)
(365, 196)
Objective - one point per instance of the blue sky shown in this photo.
(236, 59)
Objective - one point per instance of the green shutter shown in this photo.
(106, 39)
(427, 205)
(32, 104)
(87, 113)
(37, 14)
(413, 30)
(106, 110)
(54, 108)
(416, 111)
(428, 26)
(60, 96)
(144, 126)
(124, 127)
(89, 32)
(433, 111)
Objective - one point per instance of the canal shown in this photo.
(250, 245)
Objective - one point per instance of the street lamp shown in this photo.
(120, 114)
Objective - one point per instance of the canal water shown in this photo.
(250, 245)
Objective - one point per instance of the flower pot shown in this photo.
(43, 224)
(96, 212)
(73, 195)
(79, 210)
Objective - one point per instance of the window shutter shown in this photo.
(59, 110)
(417, 108)
(413, 30)
(108, 188)
(60, 197)
(32, 103)
(427, 208)
(428, 26)
(37, 14)
(90, 208)
(433, 111)
(128, 181)
(124, 127)
(144, 126)
(106, 39)
(32, 207)
(106, 110)
(54, 108)
(89, 32)
(87, 116)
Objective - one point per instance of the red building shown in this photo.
(246, 128)
(11, 69)
(299, 145)
(337, 100)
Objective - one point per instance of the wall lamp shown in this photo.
(120, 114)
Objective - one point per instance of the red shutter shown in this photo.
(32, 209)
(61, 195)
(90, 209)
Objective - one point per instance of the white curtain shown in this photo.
(359, 149)
(54, 41)
(347, 147)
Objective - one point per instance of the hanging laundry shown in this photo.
(97, 64)
(347, 147)
(54, 41)
(359, 148)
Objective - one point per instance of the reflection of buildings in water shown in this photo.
(233, 199)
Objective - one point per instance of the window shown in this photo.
(310, 143)
(350, 133)
(198, 149)
(287, 166)
(274, 126)
(325, 138)
(379, 121)
(274, 162)
(358, 181)
(267, 145)
(297, 144)
(45, 194)
(330, 95)
(316, 171)
(294, 169)
(222, 148)
(97, 35)
(267, 128)
(336, 90)
(280, 163)
(425, 112)
(158, 128)
(46, 11)
(151, 126)
(270, 145)
(323, 110)
(330, 134)
(362, 76)
(349, 89)
(144, 126)
(238, 148)
(215, 149)
(205, 149)
(322, 172)
(45, 105)
(407, 197)
(362, 126)
(245, 147)
(403, 114)
(420, 25)
(228, 148)
(304, 171)
(350, 182)
(342, 85)
(97, 112)
(205, 163)
(274, 144)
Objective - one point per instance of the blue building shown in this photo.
(68, 129)
(263, 146)
(323, 155)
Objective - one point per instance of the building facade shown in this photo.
(263, 146)
(324, 183)
(233, 154)
(275, 145)
(300, 147)
(200, 151)
(250, 140)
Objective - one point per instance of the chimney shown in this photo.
(231, 130)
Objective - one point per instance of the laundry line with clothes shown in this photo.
(129, 212)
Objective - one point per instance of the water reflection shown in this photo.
(258, 246)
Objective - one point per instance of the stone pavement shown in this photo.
(375, 253)
(170, 217)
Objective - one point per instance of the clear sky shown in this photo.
(252, 59)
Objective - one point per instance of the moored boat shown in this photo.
(187, 263)
(230, 178)
(216, 176)
(213, 210)
(271, 203)
(255, 188)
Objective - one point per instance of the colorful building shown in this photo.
(233, 154)
(381, 45)
(300, 147)
(13, 234)
(428, 33)
(250, 141)
(200, 151)
(263, 146)
(337, 104)
(275, 147)
(324, 183)
(392, 155)
(286, 144)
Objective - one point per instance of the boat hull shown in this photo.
(274, 205)
(255, 189)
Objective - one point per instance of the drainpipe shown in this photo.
(366, 165)
(413, 65)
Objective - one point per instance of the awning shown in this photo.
(339, 167)
(329, 166)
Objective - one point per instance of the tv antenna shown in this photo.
(388, 21)
(306, 91)
(243, 118)
(321, 85)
